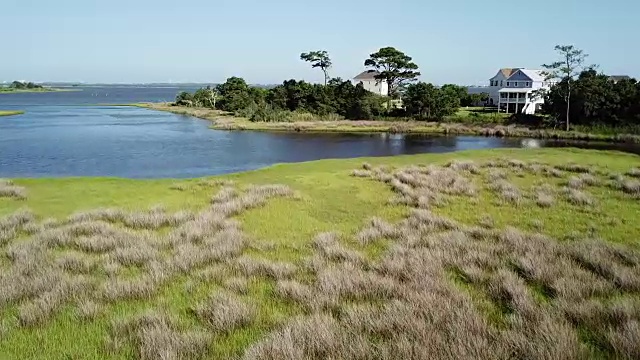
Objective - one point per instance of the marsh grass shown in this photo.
(10, 190)
(445, 272)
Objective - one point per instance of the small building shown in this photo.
(616, 78)
(515, 90)
(370, 83)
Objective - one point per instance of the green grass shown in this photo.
(330, 200)
(11, 112)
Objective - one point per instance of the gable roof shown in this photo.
(505, 72)
(367, 75)
(534, 75)
(617, 78)
(508, 71)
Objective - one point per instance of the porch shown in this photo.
(514, 100)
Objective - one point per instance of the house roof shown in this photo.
(505, 72)
(367, 75)
(534, 75)
(619, 77)
(508, 71)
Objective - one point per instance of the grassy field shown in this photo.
(223, 121)
(490, 254)
(11, 112)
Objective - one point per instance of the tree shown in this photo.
(425, 101)
(474, 99)
(235, 94)
(318, 59)
(570, 65)
(184, 99)
(394, 67)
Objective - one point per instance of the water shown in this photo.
(62, 134)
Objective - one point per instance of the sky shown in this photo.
(206, 41)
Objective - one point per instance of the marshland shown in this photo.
(477, 254)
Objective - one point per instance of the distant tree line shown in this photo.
(595, 100)
(581, 96)
(24, 85)
(337, 98)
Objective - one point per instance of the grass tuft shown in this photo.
(224, 312)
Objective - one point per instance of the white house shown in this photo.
(368, 80)
(514, 90)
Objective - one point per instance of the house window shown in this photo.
(527, 84)
(508, 84)
(516, 84)
(501, 83)
(503, 95)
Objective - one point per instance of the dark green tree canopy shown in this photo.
(395, 68)
(318, 59)
(426, 101)
(234, 94)
(596, 100)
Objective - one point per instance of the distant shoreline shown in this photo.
(11, 112)
(39, 90)
(224, 121)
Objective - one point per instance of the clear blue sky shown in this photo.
(455, 41)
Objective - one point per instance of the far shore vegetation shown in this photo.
(489, 254)
(26, 87)
(601, 109)
(11, 112)
(305, 122)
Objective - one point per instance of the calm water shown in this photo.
(62, 134)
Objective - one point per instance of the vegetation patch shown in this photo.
(11, 112)
(413, 255)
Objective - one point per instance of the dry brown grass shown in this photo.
(252, 266)
(631, 187)
(156, 336)
(226, 194)
(224, 312)
(579, 198)
(237, 284)
(378, 229)
(575, 168)
(88, 310)
(464, 165)
(328, 244)
(544, 195)
(407, 302)
(361, 173)
(634, 172)
(66, 262)
(10, 190)
(507, 191)
(439, 289)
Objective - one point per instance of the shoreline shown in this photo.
(11, 112)
(45, 90)
(224, 121)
